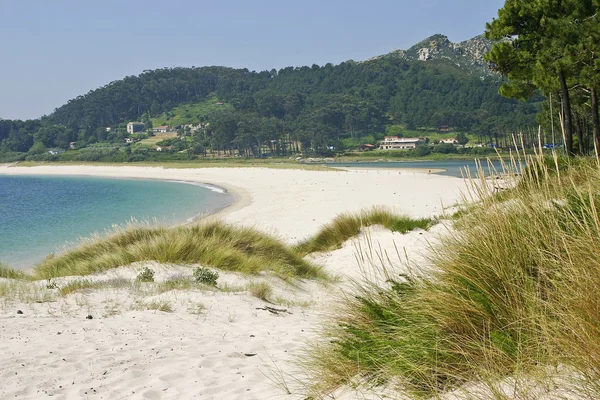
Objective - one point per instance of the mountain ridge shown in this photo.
(467, 55)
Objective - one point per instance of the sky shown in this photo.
(55, 50)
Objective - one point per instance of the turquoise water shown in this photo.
(41, 215)
(451, 167)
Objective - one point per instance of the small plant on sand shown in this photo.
(155, 305)
(146, 275)
(261, 290)
(51, 284)
(206, 276)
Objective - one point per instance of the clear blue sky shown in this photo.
(54, 50)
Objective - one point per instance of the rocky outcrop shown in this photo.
(467, 55)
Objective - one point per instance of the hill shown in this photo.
(435, 83)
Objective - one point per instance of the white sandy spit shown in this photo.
(206, 344)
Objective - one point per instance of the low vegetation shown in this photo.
(211, 243)
(206, 276)
(155, 305)
(513, 295)
(146, 275)
(348, 225)
(10, 273)
(261, 290)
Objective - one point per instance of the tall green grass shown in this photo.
(211, 243)
(514, 293)
(349, 225)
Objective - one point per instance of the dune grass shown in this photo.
(10, 273)
(514, 293)
(261, 290)
(349, 225)
(211, 243)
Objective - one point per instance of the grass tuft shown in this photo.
(78, 285)
(10, 273)
(155, 305)
(346, 226)
(261, 290)
(212, 244)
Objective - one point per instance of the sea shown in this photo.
(40, 215)
(455, 168)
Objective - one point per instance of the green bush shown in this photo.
(206, 276)
(146, 275)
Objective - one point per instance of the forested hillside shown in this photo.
(315, 109)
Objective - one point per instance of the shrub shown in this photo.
(146, 275)
(206, 276)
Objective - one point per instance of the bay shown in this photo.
(454, 168)
(44, 214)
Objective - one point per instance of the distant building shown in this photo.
(368, 147)
(134, 127)
(398, 143)
(445, 128)
(161, 129)
(72, 145)
(128, 140)
(449, 141)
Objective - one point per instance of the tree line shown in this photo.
(315, 108)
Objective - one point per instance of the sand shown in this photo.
(209, 344)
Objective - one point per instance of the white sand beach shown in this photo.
(211, 344)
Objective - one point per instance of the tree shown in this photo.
(37, 148)
(462, 139)
(541, 45)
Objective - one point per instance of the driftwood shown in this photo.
(273, 310)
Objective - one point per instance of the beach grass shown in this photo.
(261, 290)
(348, 225)
(16, 290)
(10, 273)
(213, 244)
(154, 305)
(512, 296)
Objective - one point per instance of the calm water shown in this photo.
(40, 215)
(450, 167)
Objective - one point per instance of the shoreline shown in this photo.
(399, 169)
(261, 195)
(237, 199)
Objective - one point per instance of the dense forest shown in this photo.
(315, 109)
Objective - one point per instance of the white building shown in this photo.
(161, 129)
(398, 143)
(134, 127)
(449, 141)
